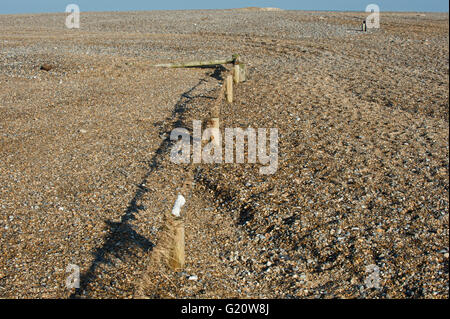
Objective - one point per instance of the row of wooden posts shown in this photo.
(172, 247)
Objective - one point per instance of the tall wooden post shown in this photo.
(214, 124)
(229, 84)
(177, 254)
(236, 73)
(242, 72)
(176, 227)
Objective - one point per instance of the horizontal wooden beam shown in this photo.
(234, 59)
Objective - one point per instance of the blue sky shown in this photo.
(33, 6)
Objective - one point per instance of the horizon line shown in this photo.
(217, 9)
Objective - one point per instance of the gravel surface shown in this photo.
(362, 181)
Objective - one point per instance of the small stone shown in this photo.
(46, 67)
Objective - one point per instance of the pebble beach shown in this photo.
(362, 183)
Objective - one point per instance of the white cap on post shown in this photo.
(177, 206)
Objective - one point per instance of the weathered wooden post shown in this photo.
(229, 85)
(242, 72)
(214, 125)
(236, 73)
(177, 255)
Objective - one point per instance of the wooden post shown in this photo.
(364, 26)
(229, 85)
(242, 72)
(214, 124)
(176, 228)
(177, 254)
(236, 73)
